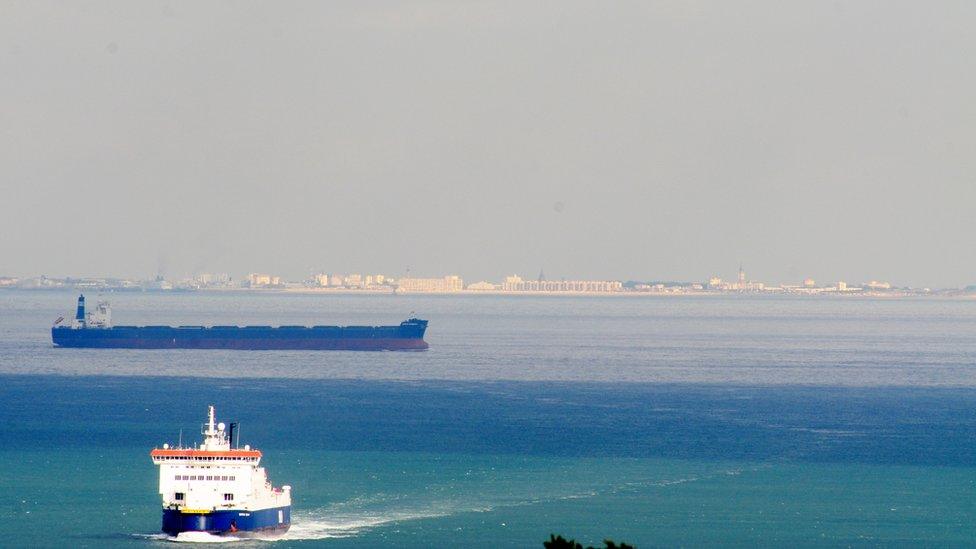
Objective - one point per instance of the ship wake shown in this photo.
(353, 517)
(358, 515)
(326, 523)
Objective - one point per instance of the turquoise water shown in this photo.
(738, 422)
(352, 499)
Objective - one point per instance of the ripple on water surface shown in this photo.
(735, 339)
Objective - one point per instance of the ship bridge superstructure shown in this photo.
(101, 317)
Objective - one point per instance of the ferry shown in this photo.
(218, 489)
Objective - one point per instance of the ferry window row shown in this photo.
(181, 496)
(210, 458)
(204, 477)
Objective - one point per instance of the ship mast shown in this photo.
(214, 435)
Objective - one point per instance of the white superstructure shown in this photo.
(101, 317)
(215, 476)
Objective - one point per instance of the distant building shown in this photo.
(515, 283)
(374, 280)
(158, 283)
(212, 279)
(452, 283)
(351, 281)
(809, 283)
(321, 280)
(256, 280)
(875, 285)
(482, 286)
(743, 285)
(740, 285)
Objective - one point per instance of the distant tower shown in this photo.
(742, 278)
(542, 275)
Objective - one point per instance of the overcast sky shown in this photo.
(653, 141)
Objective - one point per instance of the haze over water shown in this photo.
(659, 421)
(626, 140)
(616, 140)
(710, 339)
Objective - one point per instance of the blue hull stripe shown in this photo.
(235, 522)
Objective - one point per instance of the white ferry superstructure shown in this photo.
(217, 489)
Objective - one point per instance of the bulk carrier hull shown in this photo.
(408, 336)
(94, 330)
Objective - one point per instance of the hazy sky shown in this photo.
(645, 140)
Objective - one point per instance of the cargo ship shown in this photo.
(218, 489)
(95, 330)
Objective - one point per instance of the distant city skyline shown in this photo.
(616, 140)
(453, 282)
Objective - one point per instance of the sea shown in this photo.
(686, 421)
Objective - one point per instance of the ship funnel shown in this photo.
(80, 314)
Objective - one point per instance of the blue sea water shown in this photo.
(734, 421)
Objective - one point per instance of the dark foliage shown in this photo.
(559, 542)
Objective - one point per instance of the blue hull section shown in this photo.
(408, 336)
(238, 523)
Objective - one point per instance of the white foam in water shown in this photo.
(336, 522)
(200, 537)
(188, 537)
(158, 537)
(326, 523)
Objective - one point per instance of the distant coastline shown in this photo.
(512, 285)
(964, 294)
